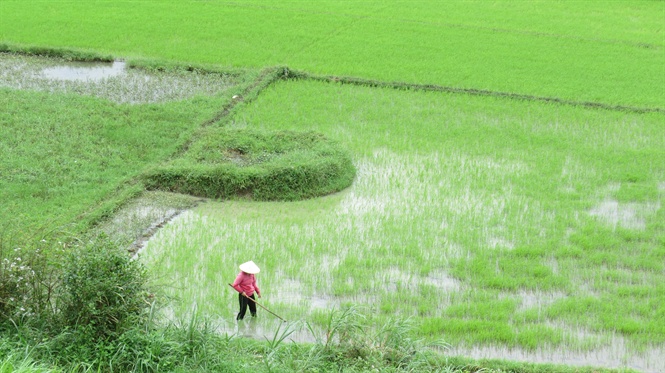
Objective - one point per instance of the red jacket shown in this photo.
(246, 283)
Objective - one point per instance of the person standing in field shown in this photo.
(246, 286)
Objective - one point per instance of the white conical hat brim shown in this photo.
(250, 267)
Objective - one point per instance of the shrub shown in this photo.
(104, 290)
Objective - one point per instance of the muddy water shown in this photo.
(114, 81)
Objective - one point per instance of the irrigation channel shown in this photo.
(217, 236)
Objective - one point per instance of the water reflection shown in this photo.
(84, 71)
(611, 356)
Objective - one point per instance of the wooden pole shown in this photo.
(260, 305)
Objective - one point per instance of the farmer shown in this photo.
(246, 286)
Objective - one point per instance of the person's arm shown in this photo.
(236, 284)
(256, 287)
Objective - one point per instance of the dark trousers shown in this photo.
(244, 302)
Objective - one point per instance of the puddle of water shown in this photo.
(394, 279)
(289, 291)
(84, 71)
(625, 215)
(113, 81)
(537, 299)
(632, 215)
(135, 222)
(499, 243)
(441, 280)
(262, 330)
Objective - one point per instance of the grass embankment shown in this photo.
(609, 52)
(261, 165)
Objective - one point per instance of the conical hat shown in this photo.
(249, 267)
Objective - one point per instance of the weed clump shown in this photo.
(103, 289)
(72, 300)
(266, 166)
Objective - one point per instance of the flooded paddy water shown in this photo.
(614, 355)
(298, 301)
(114, 81)
(314, 254)
(85, 71)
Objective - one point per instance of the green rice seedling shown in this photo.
(458, 219)
(516, 189)
(531, 337)
(609, 53)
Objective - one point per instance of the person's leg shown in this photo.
(243, 306)
(252, 306)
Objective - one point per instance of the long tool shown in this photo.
(260, 305)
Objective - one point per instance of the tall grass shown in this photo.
(192, 345)
(608, 52)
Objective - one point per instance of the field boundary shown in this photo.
(468, 91)
(247, 93)
(132, 187)
(67, 54)
(269, 75)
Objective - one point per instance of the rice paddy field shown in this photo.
(510, 161)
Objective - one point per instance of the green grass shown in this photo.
(192, 345)
(609, 52)
(73, 152)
